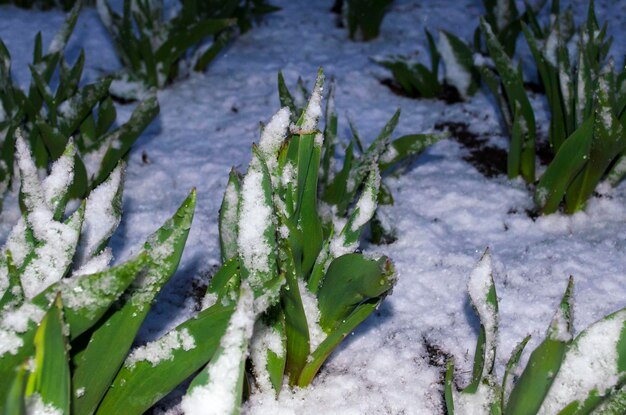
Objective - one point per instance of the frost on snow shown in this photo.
(590, 364)
(218, 396)
(456, 74)
(161, 349)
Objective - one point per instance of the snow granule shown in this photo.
(161, 349)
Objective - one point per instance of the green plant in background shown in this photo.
(507, 86)
(363, 17)
(504, 19)
(418, 81)
(587, 106)
(338, 187)
(50, 117)
(585, 374)
(62, 265)
(155, 50)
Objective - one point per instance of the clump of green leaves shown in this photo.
(363, 17)
(557, 377)
(62, 266)
(587, 104)
(48, 117)
(297, 288)
(418, 81)
(155, 50)
(338, 184)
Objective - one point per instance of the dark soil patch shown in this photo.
(199, 286)
(490, 161)
(448, 94)
(534, 87)
(438, 358)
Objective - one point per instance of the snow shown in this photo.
(312, 313)
(13, 323)
(161, 350)
(456, 74)
(218, 397)
(591, 364)
(36, 406)
(445, 212)
(313, 111)
(101, 217)
(273, 136)
(254, 217)
(265, 339)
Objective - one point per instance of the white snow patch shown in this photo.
(217, 397)
(456, 74)
(312, 313)
(265, 339)
(162, 349)
(589, 364)
(254, 218)
(36, 406)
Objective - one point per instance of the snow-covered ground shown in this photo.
(446, 213)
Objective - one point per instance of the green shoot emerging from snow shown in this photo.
(564, 374)
(57, 288)
(155, 50)
(49, 118)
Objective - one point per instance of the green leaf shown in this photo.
(285, 97)
(509, 371)
(119, 142)
(319, 356)
(14, 403)
(602, 345)
(404, 147)
(351, 280)
(115, 336)
(88, 297)
(50, 380)
(216, 382)
(543, 365)
(459, 63)
(229, 212)
(296, 325)
(448, 388)
(568, 162)
(609, 140)
(141, 383)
